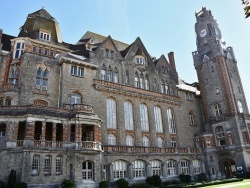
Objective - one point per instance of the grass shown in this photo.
(243, 184)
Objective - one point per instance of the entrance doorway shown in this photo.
(228, 168)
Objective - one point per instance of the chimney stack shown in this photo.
(171, 60)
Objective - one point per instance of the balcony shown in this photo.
(103, 85)
(79, 107)
(138, 149)
(7, 87)
(39, 144)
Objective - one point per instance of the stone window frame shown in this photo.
(47, 164)
(75, 98)
(2, 132)
(145, 141)
(120, 169)
(58, 167)
(159, 142)
(189, 96)
(184, 166)
(44, 36)
(88, 171)
(115, 75)
(18, 49)
(14, 76)
(129, 140)
(112, 139)
(191, 118)
(155, 167)
(8, 101)
(111, 113)
(139, 169)
(240, 106)
(42, 79)
(158, 119)
(217, 109)
(171, 121)
(171, 167)
(173, 142)
(220, 136)
(128, 115)
(144, 117)
(77, 71)
(35, 167)
(196, 166)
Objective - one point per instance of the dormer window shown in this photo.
(19, 49)
(44, 36)
(140, 60)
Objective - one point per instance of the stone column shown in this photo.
(97, 133)
(151, 120)
(78, 133)
(164, 169)
(43, 130)
(54, 135)
(29, 134)
(66, 133)
(130, 171)
(110, 172)
(148, 170)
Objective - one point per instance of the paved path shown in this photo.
(235, 185)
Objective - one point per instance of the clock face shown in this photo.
(203, 32)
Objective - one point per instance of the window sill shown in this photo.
(39, 92)
(77, 76)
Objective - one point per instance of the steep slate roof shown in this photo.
(6, 42)
(42, 13)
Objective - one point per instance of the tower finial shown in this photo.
(43, 7)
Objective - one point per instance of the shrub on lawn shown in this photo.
(68, 184)
(246, 175)
(201, 177)
(104, 184)
(157, 180)
(122, 183)
(150, 180)
(21, 185)
(140, 185)
(1, 184)
(185, 178)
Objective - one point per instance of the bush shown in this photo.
(157, 180)
(150, 180)
(201, 177)
(122, 183)
(1, 184)
(68, 184)
(185, 178)
(21, 185)
(140, 185)
(246, 175)
(12, 179)
(104, 184)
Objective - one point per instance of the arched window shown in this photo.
(158, 119)
(166, 88)
(127, 78)
(171, 169)
(116, 76)
(191, 118)
(120, 169)
(145, 141)
(146, 82)
(136, 80)
(42, 79)
(240, 106)
(138, 169)
(217, 109)
(88, 170)
(111, 139)
(45, 80)
(75, 99)
(35, 164)
(38, 78)
(159, 142)
(129, 140)
(58, 165)
(196, 165)
(171, 91)
(144, 117)
(109, 75)
(13, 78)
(173, 143)
(8, 101)
(155, 167)
(2, 133)
(1, 101)
(111, 113)
(128, 113)
(47, 164)
(171, 122)
(184, 167)
(103, 72)
(220, 136)
(141, 81)
(162, 87)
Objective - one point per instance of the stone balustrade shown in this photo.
(6, 87)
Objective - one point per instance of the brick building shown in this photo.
(102, 109)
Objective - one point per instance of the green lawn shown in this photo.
(240, 184)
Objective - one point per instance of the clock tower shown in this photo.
(226, 115)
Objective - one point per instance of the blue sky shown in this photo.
(162, 25)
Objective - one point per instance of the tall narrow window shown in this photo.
(47, 164)
(145, 141)
(19, 49)
(196, 165)
(155, 167)
(240, 106)
(111, 113)
(58, 165)
(42, 79)
(171, 91)
(103, 72)
(162, 87)
(184, 167)
(146, 82)
(171, 170)
(109, 75)
(171, 122)
(45, 80)
(75, 99)
(88, 170)
(159, 142)
(136, 80)
(144, 117)
(217, 109)
(8, 101)
(138, 169)
(191, 118)
(129, 140)
(35, 164)
(111, 139)
(38, 78)
(158, 119)
(173, 143)
(220, 135)
(141, 81)
(115, 79)
(166, 89)
(13, 78)
(127, 78)
(128, 113)
(120, 169)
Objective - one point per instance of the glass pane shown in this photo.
(38, 81)
(39, 73)
(45, 74)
